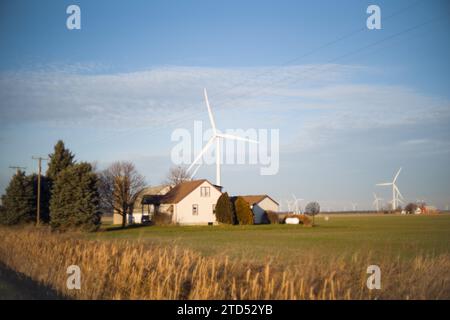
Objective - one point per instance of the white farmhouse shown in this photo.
(259, 204)
(191, 202)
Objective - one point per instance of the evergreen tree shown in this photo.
(243, 212)
(75, 199)
(224, 210)
(19, 201)
(60, 159)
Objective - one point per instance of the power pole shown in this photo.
(38, 206)
(17, 168)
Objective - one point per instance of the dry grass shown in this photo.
(138, 270)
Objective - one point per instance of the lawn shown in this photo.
(399, 236)
(328, 261)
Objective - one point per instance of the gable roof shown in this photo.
(150, 194)
(253, 199)
(182, 190)
(152, 199)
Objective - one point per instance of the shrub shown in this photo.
(224, 210)
(161, 219)
(270, 217)
(303, 219)
(243, 212)
(410, 208)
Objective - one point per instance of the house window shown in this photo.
(195, 209)
(214, 208)
(204, 191)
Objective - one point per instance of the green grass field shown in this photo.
(399, 236)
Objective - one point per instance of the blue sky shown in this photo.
(352, 105)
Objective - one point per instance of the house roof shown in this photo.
(148, 195)
(180, 191)
(152, 199)
(254, 199)
(161, 189)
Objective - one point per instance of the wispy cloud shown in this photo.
(74, 94)
(79, 96)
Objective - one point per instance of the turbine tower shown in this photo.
(215, 138)
(376, 202)
(298, 208)
(396, 195)
(288, 202)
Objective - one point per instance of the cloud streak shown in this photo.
(321, 99)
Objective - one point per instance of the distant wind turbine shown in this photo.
(354, 206)
(298, 208)
(396, 195)
(376, 202)
(288, 202)
(215, 138)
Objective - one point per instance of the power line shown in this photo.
(17, 168)
(221, 93)
(313, 68)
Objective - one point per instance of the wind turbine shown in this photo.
(396, 195)
(376, 202)
(354, 206)
(298, 208)
(420, 202)
(288, 202)
(215, 138)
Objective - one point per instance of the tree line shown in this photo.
(73, 194)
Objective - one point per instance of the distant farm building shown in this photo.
(259, 205)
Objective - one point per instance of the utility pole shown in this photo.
(17, 168)
(39, 159)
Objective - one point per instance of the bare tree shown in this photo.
(119, 184)
(312, 209)
(177, 175)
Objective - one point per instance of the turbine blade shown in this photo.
(229, 136)
(207, 145)
(398, 191)
(396, 176)
(211, 118)
(384, 184)
(195, 171)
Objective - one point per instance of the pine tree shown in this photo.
(19, 201)
(60, 159)
(243, 212)
(224, 210)
(75, 200)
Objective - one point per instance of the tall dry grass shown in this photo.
(138, 270)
